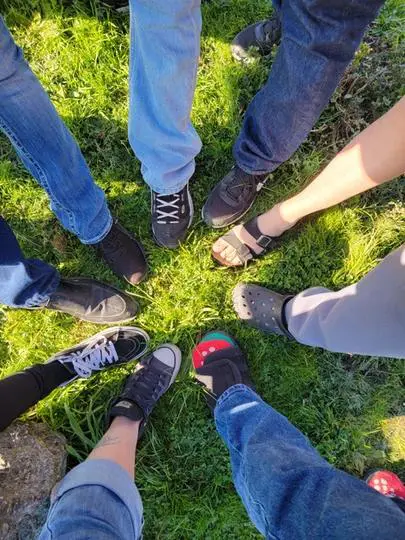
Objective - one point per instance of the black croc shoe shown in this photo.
(261, 308)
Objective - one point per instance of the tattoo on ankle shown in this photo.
(108, 440)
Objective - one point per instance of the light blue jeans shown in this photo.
(50, 153)
(289, 491)
(165, 48)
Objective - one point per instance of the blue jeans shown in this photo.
(319, 39)
(288, 490)
(165, 48)
(48, 150)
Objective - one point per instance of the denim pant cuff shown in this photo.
(100, 236)
(157, 187)
(110, 475)
(39, 300)
(253, 173)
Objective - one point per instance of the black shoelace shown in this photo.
(241, 185)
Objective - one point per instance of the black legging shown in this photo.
(22, 390)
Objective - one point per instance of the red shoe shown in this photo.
(387, 483)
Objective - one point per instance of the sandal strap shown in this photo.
(243, 251)
(261, 239)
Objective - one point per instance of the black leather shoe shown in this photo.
(123, 254)
(232, 197)
(93, 301)
(260, 36)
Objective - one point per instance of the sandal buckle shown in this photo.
(264, 241)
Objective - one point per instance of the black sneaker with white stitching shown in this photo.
(153, 376)
(171, 217)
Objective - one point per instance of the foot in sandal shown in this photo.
(251, 240)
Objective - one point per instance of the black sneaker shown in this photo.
(219, 363)
(262, 308)
(123, 254)
(107, 349)
(232, 197)
(153, 376)
(93, 301)
(260, 37)
(171, 217)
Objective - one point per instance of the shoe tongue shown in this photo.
(239, 183)
(165, 356)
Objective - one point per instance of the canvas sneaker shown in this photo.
(107, 349)
(152, 377)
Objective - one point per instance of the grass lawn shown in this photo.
(345, 405)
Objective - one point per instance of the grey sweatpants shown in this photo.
(366, 318)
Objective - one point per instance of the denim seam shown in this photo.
(41, 174)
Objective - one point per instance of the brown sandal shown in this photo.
(243, 251)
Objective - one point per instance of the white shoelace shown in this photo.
(161, 207)
(94, 357)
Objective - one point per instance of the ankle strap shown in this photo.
(261, 240)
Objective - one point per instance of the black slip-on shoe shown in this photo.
(107, 349)
(261, 308)
(123, 254)
(219, 363)
(258, 37)
(152, 377)
(92, 301)
(172, 215)
(232, 197)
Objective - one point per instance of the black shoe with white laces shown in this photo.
(107, 349)
(153, 376)
(232, 197)
(171, 217)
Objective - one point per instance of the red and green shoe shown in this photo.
(219, 363)
(387, 483)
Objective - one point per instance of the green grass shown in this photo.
(80, 53)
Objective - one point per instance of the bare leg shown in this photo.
(119, 444)
(375, 156)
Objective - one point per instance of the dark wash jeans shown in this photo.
(289, 491)
(319, 39)
(48, 150)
